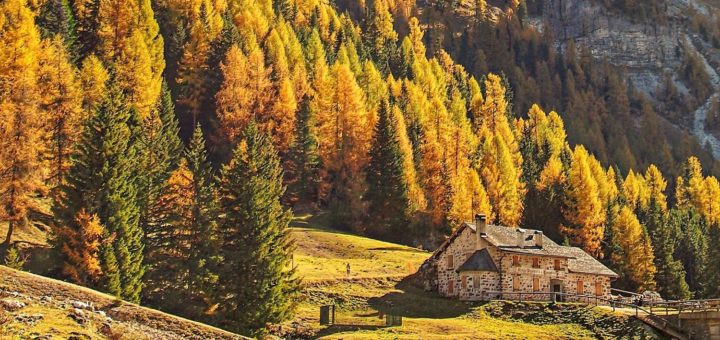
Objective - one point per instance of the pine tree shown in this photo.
(102, 181)
(692, 248)
(183, 244)
(387, 194)
(13, 259)
(159, 150)
(304, 159)
(670, 276)
(21, 146)
(256, 286)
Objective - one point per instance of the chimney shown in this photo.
(538, 238)
(520, 237)
(480, 230)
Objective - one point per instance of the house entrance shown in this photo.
(557, 288)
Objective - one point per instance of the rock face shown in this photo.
(645, 50)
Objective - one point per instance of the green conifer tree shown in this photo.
(256, 286)
(670, 276)
(102, 180)
(387, 194)
(304, 159)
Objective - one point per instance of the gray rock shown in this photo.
(12, 305)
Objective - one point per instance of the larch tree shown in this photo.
(583, 207)
(21, 145)
(246, 92)
(501, 160)
(635, 258)
(62, 104)
(94, 80)
(81, 249)
(344, 143)
(129, 39)
(256, 287)
(103, 181)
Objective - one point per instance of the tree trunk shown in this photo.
(11, 227)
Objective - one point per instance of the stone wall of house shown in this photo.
(477, 284)
(459, 250)
(520, 277)
(588, 282)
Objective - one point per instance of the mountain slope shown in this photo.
(60, 310)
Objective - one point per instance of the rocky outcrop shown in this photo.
(645, 50)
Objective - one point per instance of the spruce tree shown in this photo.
(304, 159)
(159, 150)
(670, 276)
(257, 288)
(387, 194)
(693, 246)
(183, 246)
(102, 181)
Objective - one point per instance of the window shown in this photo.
(449, 261)
(463, 284)
(536, 284)
(516, 283)
(557, 264)
(476, 281)
(515, 260)
(451, 287)
(536, 262)
(580, 287)
(598, 288)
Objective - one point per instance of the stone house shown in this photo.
(482, 262)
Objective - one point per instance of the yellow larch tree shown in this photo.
(246, 92)
(61, 104)
(21, 147)
(416, 196)
(93, 79)
(130, 40)
(583, 206)
(635, 256)
(81, 248)
(656, 185)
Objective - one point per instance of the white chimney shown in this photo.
(538, 238)
(480, 230)
(520, 237)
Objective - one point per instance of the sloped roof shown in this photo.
(478, 261)
(578, 260)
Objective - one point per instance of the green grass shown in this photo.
(374, 288)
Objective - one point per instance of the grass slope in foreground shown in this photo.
(374, 287)
(53, 309)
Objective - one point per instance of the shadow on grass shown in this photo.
(339, 328)
(414, 302)
(399, 248)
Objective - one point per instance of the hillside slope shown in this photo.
(375, 289)
(55, 309)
